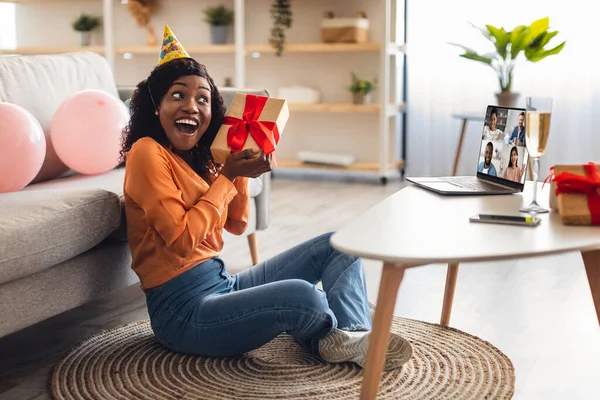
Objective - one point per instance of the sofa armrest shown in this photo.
(263, 203)
(125, 92)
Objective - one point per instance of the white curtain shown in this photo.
(440, 83)
(8, 30)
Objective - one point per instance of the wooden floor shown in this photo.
(537, 311)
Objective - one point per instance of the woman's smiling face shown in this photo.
(185, 111)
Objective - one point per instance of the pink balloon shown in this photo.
(86, 131)
(22, 147)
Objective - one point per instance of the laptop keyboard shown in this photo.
(475, 184)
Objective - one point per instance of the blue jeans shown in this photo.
(205, 311)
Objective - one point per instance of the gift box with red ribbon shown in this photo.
(577, 191)
(252, 122)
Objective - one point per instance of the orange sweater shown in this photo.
(175, 220)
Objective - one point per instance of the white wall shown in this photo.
(42, 24)
(186, 19)
(441, 83)
(345, 133)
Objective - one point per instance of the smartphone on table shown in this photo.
(523, 220)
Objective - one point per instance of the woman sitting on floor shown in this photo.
(177, 203)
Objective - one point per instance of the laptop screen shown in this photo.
(503, 156)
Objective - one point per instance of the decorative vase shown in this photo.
(219, 34)
(507, 99)
(150, 36)
(358, 98)
(85, 38)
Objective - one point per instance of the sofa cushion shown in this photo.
(42, 228)
(111, 181)
(41, 83)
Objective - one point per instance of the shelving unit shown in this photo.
(207, 49)
(373, 133)
(359, 166)
(316, 47)
(335, 108)
(52, 50)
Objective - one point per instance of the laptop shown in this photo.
(502, 160)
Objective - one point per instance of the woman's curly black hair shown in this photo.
(149, 92)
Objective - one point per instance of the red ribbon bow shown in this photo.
(567, 182)
(549, 177)
(264, 133)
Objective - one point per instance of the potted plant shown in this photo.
(281, 13)
(361, 89)
(84, 24)
(507, 46)
(219, 18)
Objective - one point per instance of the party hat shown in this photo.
(171, 48)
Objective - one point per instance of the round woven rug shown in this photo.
(128, 363)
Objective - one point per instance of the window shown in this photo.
(8, 28)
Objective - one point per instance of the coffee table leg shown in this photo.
(451, 277)
(382, 322)
(592, 268)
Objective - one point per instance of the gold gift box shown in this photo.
(572, 207)
(275, 110)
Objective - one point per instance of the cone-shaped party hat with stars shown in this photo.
(171, 48)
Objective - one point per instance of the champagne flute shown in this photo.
(537, 129)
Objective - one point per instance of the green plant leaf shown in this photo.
(484, 32)
(477, 57)
(535, 29)
(465, 48)
(543, 54)
(281, 14)
(495, 32)
(535, 43)
(86, 23)
(530, 39)
(361, 86)
(516, 40)
(534, 47)
(501, 39)
(547, 37)
(218, 16)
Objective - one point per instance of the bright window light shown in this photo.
(8, 28)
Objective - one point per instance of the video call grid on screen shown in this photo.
(502, 152)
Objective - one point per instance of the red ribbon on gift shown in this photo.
(264, 133)
(568, 182)
(549, 177)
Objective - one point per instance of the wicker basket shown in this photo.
(345, 30)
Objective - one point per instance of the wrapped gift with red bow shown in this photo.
(577, 189)
(252, 122)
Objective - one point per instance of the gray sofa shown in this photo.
(63, 240)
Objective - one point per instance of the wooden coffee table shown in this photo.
(415, 227)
